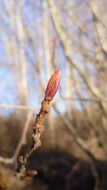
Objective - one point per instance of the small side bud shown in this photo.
(31, 173)
(53, 85)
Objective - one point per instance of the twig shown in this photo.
(81, 99)
(73, 170)
(6, 160)
(21, 107)
(13, 159)
(38, 127)
(95, 174)
(23, 137)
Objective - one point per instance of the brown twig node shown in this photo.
(38, 127)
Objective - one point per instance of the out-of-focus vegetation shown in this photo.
(36, 38)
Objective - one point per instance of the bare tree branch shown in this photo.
(20, 107)
(23, 139)
(57, 20)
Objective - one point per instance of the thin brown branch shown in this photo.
(38, 129)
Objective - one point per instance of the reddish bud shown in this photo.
(31, 173)
(53, 85)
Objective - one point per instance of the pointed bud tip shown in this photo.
(53, 85)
